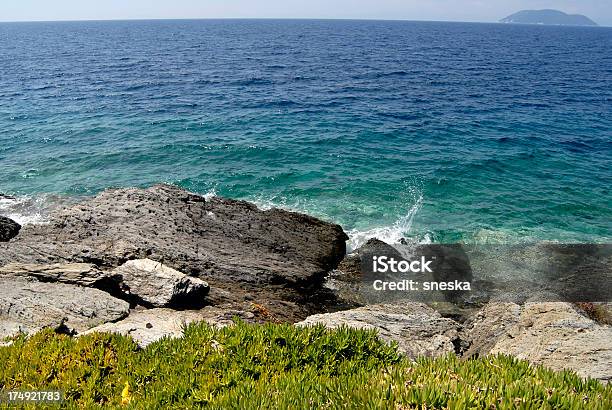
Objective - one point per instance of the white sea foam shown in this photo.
(28, 209)
(304, 206)
(210, 194)
(20, 210)
(400, 230)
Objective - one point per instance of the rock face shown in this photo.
(29, 306)
(82, 274)
(349, 281)
(548, 17)
(157, 285)
(488, 325)
(244, 253)
(148, 326)
(417, 329)
(553, 334)
(352, 264)
(354, 281)
(8, 229)
(219, 238)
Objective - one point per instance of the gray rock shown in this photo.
(352, 264)
(73, 273)
(158, 285)
(28, 306)
(148, 326)
(488, 325)
(354, 279)
(349, 281)
(237, 248)
(554, 334)
(8, 229)
(417, 329)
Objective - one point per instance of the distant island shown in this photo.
(548, 17)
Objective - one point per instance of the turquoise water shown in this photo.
(438, 132)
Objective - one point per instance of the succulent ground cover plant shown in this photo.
(279, 366)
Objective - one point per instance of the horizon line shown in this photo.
(237, 18)
(86, 20)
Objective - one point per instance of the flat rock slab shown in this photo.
(148, 326)
(157, 285)
(28, 306)
(554, 334)
(417, 329)
(82, 274)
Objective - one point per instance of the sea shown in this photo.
(430, 131)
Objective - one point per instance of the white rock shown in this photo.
(148, 326)
(158, 285)
(557, 336)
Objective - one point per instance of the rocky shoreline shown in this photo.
(144, 262)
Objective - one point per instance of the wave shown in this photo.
(35, 209)
(379, 74)
(253, 81)
(15, 209)
(210, 194)
(398, 232)
(403, 230)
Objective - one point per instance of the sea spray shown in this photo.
(33, 209)
(399, 231)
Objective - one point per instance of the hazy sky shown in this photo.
(459, 10)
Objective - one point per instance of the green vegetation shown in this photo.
(279, 366)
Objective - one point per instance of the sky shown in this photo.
(443, 10)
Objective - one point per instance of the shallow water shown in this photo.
(439, 132)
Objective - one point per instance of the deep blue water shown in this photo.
(435, 131)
